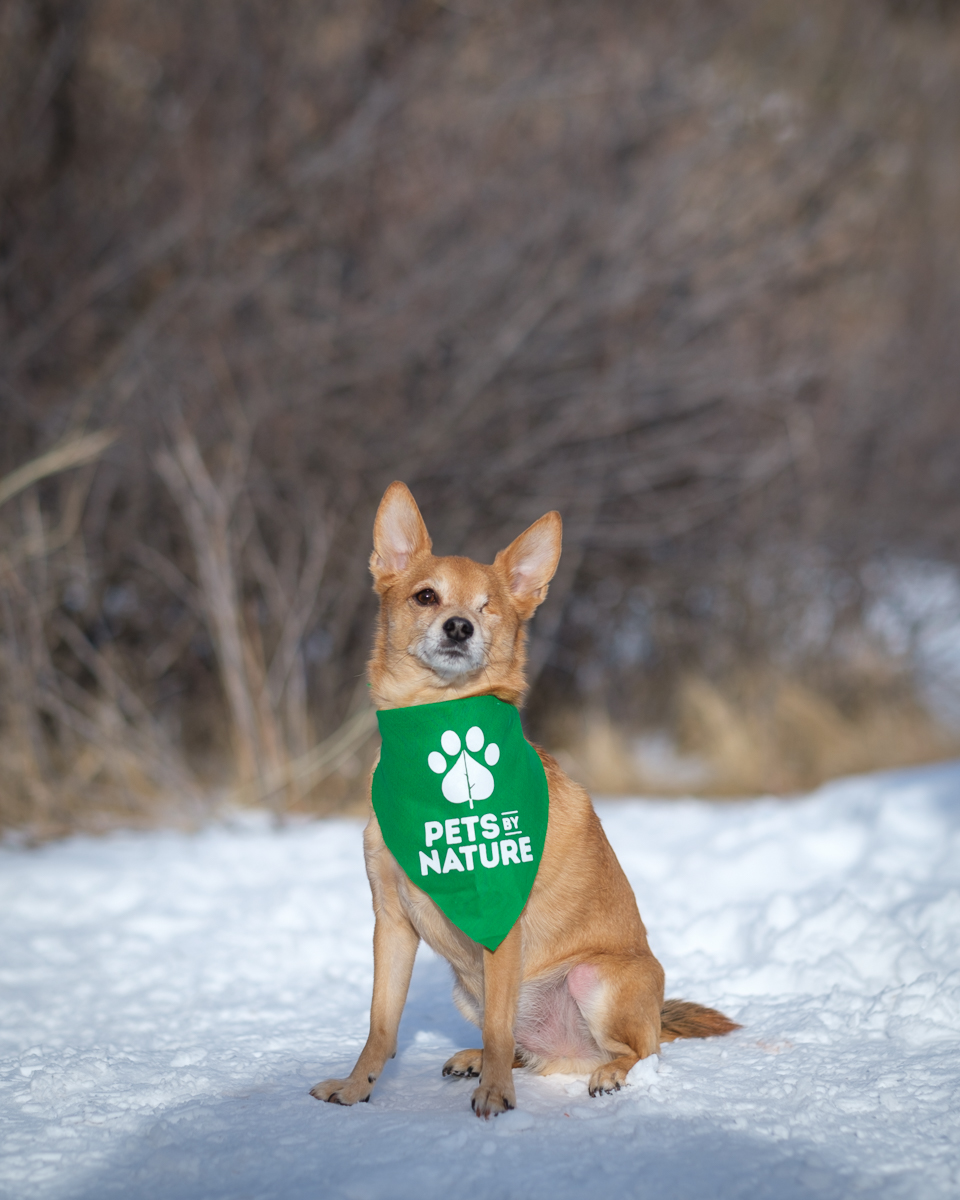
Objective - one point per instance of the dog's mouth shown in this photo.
(451, 660)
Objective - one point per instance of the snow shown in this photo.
(167, 1001)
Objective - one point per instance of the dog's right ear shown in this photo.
(399, 535)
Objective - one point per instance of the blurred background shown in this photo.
(688, 273)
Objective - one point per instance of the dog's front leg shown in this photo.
(395, 944)
(501, 987)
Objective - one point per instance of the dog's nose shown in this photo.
(458, 629)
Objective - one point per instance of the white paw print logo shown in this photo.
(467, 780)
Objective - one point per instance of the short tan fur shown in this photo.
(574, 986)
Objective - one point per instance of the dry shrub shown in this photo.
(78, 747)
(687, 273)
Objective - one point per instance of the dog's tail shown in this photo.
(684, 1019)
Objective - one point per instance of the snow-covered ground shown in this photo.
(166, 1002)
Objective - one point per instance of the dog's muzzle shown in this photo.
(455, 648)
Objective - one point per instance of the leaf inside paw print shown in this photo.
(467, 779)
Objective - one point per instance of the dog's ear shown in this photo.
(399, 534)
(529, 562)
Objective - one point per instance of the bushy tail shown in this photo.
(684, 1019)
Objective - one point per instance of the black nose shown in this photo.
(458, 629)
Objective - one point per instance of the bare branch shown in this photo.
(74, 453)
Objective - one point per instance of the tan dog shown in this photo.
(573, 987)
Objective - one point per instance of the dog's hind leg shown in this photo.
(395, 944)
(620, 997)
(468, 1064)
(465, 1064)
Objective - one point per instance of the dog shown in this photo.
(573, 987)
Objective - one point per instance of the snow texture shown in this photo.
(166, 1002)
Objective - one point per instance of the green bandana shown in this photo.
(462, 801)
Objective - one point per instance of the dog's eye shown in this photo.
(426, 597)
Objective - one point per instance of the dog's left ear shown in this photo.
(529, 562)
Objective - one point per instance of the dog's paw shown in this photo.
(342, 1091)
(466, 1064)
(608, 1078)
(489, 1100)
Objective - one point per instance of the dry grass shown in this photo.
(763, 733)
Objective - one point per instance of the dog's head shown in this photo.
(452, 627)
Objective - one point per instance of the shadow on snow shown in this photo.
(276, 1143)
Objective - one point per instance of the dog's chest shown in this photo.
(440, 934)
